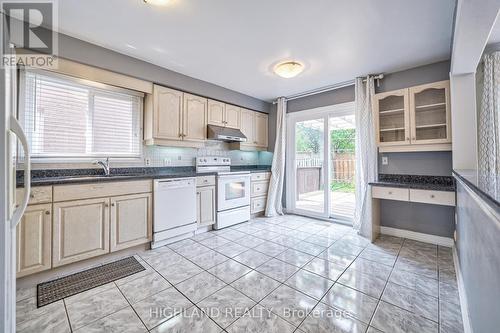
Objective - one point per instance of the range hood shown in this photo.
(225, 134)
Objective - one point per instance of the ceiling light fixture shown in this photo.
(157, 2)
(288, 69)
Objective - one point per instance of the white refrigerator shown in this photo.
(11, 209)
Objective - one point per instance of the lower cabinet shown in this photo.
(205, 206)
(33, 238)
(130, 220)
(81, 230)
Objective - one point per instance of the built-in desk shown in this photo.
(434, 190)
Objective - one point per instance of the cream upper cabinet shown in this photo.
(247, 126)
(413, 119)
(392, 118)
(261, 129)
(205, 200)
(167, 118)
(232, 116)
(80, 230)
(34, 238)
(216, 112)
(194, 118)
(430, 113)
(130, 220)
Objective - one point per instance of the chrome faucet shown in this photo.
(105, 166)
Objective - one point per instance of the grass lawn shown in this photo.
(342, 187)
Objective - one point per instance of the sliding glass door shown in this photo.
(321, 163)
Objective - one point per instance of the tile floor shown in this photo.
(284, 274)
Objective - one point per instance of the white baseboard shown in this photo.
(462, 295)
(418, 236)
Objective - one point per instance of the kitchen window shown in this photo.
(67, 119)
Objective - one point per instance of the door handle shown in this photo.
(16, 128)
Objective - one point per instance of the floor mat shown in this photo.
(55, 290)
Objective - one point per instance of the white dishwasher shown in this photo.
(174, 215)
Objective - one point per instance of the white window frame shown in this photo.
(138, 159)
(324, 113)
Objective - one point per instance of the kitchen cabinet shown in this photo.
(205, 203)
(168, 110)
(33, 238)
(216, 113)
(174, 118)
(80, 230)
(206, 211)
(194, 118)
(259, 184)
(130, 220)
(232, 116)
(413, 119)
(254, 126)
(225, 115)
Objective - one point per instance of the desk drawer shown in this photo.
(445, 198)
(261, 176)
(205, 181)
(259, 188)
(390, 193)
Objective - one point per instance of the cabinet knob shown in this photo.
(407, 139)
(47, 212)
(32, 195)
(106, 205)
(390, 192)
(433, 196)
(413, 138)
(112, 204)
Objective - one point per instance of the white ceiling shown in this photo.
(235, 43)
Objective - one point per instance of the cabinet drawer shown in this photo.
(259, 188)
(97, 190)
(433, 197)
(39, 194)
(261, 176)
(205, 181)
(258, 205)
(390, 193)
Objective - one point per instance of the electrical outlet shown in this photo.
(147, 161)
(167, 161)
(179, 158)
(385, 160)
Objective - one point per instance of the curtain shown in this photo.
(488, 120)
(274, 205)
(366, 155)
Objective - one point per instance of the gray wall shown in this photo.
(90, 54)
(337, 96)
(421, 163)
(478, 252)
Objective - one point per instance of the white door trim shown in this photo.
(324, 112)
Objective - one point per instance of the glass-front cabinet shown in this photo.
(392, 122)
(414, 119)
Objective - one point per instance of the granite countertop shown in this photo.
(436, 183)
(486, 185)
(76, 176)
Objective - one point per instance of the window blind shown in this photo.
(64, 118)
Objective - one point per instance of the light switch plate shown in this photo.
(385, 160)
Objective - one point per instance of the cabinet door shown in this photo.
(34, 236)
(430, 113)
(233, 116)
(194, 118)
(391, 112)
(130, 220)
(205, 213)
(261, 129)
(80, 230)
(247, 126)
(216, 112)
(167, 113)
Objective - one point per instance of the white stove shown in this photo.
(233, 190)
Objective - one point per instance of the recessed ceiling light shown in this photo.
(157, 2)
(288, 69)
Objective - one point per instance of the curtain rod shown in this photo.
(327, 88)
